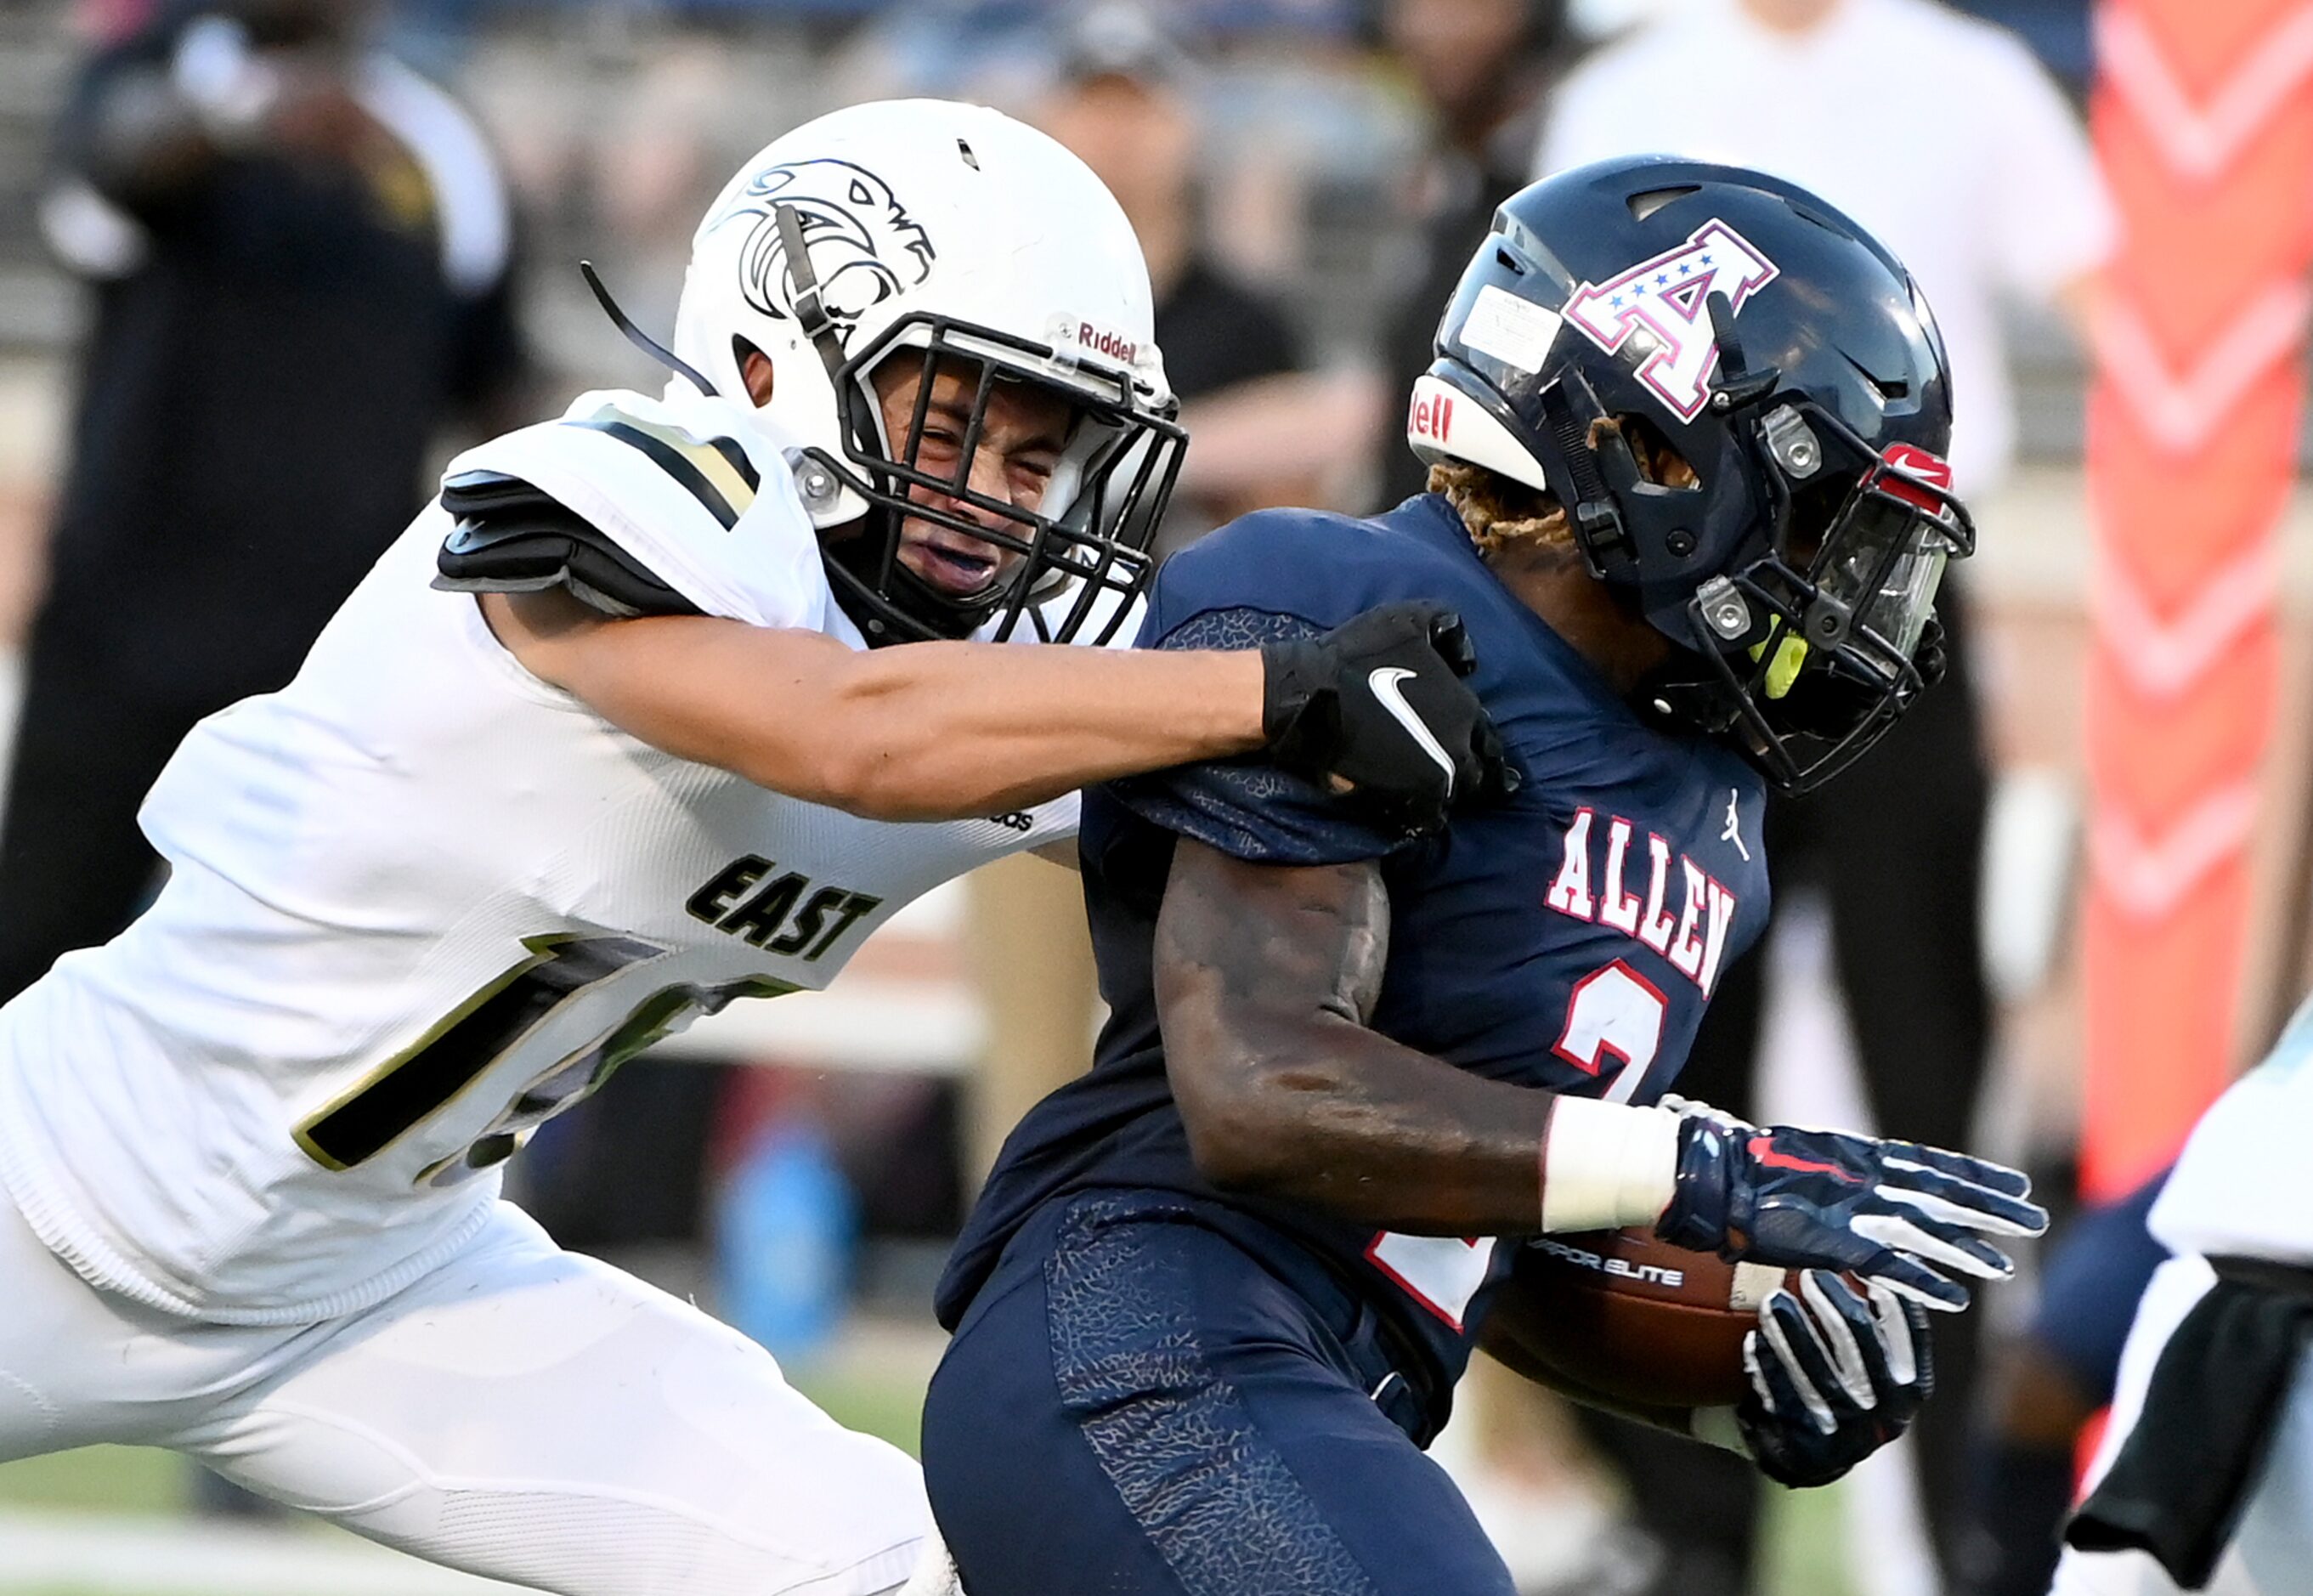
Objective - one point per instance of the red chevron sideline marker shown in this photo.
(2204, 121)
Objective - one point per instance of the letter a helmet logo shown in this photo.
(1657, 306)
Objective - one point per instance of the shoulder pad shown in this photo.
(511, 537)
(1313, 564)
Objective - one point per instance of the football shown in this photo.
(1634, 1317)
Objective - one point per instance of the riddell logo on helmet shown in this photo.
(1100, 340)
(1431, 417)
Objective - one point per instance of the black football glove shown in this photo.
(1885, 1210)
(1375, 709)
(1833, 1379)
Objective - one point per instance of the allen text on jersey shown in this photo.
(1693, 937)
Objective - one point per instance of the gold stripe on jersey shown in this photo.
(715, 470)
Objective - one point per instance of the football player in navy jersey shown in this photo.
(1685, 427)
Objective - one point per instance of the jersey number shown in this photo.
(473, 1037)
(1614, 1012)
(1441, 1272)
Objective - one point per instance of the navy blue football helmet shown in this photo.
(1793, 365)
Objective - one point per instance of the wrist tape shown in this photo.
(1606, 1165)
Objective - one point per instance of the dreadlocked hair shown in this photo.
(1497, 511)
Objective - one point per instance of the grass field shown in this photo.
(102, 1494)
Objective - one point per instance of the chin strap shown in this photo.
(803, 292)
(1598, 529)
(810, 315)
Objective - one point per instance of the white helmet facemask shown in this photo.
(956, 239)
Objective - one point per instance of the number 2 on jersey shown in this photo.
(1614, 1012)
(422, 1079)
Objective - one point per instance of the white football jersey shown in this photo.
(2244, 1184)
(420, 902)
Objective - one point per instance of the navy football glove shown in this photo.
(1833, 1379)
(1889, 1211)
(1377, 711)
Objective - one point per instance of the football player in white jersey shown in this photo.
(602, 744)
(2206, 1469)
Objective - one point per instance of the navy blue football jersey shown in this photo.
(1567, 938)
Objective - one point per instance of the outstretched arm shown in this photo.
(944, 731)
(930, 731)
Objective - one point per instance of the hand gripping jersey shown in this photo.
(419, 901)
(1568, 938)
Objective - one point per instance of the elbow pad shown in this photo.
(512, 538)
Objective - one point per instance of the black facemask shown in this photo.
(1078, 568)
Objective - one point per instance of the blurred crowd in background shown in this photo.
(243, 320)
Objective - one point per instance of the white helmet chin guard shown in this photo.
(952, 235)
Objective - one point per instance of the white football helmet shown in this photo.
(926, 230)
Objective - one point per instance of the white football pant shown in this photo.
(522, 1413)
(2272, 1552)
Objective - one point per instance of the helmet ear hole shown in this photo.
(1660, 465)
(755, 370)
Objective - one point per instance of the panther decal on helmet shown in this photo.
(864, 247)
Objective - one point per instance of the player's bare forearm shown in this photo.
(927, 731)
(1266, 977)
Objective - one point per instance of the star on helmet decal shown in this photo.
(1654, 311)
(864, 247)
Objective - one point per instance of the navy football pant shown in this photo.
(1135, 1406)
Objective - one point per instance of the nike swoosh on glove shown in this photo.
(1834, 1378)
(1911, 1216)
(1377, 711)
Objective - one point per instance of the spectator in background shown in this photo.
(1943, 137)
(1266, 431)
(105, 21)
(1479, 66)
(299, 254)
